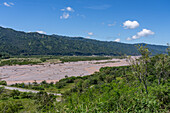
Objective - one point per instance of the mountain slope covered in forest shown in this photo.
(20, 43)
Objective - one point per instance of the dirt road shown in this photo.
(25, 90)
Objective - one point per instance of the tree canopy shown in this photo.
(20, 43)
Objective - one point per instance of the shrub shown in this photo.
(3, 82)
(86, 83)
(15, 93)
(110, 78)
(60, 85)
(11, 106)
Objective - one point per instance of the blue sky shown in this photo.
(126, 21)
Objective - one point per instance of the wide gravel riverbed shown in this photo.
(53, 72)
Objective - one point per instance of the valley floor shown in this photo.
(54, 72)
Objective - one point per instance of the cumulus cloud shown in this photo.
(65, 16)
(117, 40)
(130, 24)
(143, 33)
(66, 13)
(8, 4)
(90, 33)
(41, 32)
(68, 9)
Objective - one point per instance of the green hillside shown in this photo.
(20, 43)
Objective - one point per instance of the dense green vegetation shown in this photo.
(18, 60)
(142, 87)
(119, 89)
(20, 43)
(3, 82)
(18, 102)
(59, 87)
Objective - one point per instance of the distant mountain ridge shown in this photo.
(21, 43)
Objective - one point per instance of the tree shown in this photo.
(168, 49)
(45, 100)
(3, 82)
(162, 65)
(15, 93)
(140, 66)
(1, 90)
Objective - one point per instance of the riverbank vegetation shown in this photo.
(32, 60)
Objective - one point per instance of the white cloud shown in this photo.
(90, 33)
(11, 3)
(68, 9)
(117, 40)
(6, 4)
(65, 16)
(143, 33)
(130, 24)
(41, 32)
(128, 38)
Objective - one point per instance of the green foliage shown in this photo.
(4, 55)
(116, 89)
(20, 43)
(18, 102)
(32, 60)
(11, 106)
(83, 58)
(122, 89)
(45, 101)
(3, 82)
(15, 93)
(19, 61)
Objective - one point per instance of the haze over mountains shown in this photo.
(21, 43)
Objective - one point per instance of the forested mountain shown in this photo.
(20, 43)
